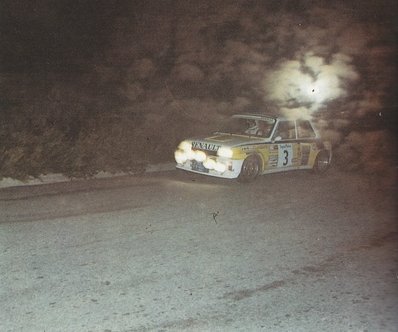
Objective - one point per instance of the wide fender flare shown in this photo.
(259, 157)
(322, 146)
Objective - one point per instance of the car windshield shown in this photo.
(249, 126)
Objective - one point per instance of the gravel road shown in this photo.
(182, 252)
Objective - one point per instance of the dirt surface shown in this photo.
(180, 252)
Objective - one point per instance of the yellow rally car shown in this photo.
(254, 144)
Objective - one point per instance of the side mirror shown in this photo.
(276, 139)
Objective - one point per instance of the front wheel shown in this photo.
(322, 162)
(250, 169)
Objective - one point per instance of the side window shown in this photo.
(286, 130)
(251, 127)
(304, 129)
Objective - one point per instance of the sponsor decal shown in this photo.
(205, 146)
(285, 146)
(273, 161)
(305, 154)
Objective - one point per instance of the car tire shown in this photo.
(322, 162)
(251, 168)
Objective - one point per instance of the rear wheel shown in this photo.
(322, 162)
(250, 169)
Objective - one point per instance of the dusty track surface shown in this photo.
(175, 251)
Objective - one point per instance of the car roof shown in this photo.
(255, 116)
(262, 116)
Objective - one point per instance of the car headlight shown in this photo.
(220, 167)
(200, 156)
(209, 163)
(180, 156)
(184, 152)
(185, 146)
(225, 152)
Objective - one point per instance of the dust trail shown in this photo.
(303, 86)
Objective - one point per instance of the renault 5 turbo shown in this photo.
(255, 144)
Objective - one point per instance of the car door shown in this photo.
(285, 138)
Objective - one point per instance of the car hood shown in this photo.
(213, 143)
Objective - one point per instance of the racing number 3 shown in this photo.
(285, 155)
(286, 161)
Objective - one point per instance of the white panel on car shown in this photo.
(285, 154)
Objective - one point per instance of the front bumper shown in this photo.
(232, 169)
